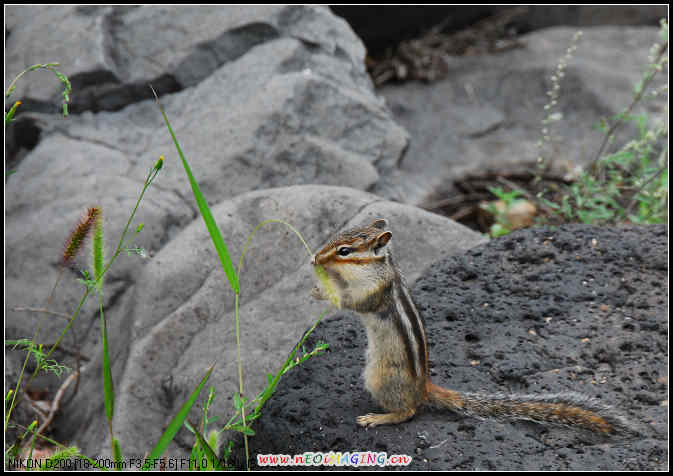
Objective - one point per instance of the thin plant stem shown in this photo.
(593, 166)
(55, 405)
(42, 310)
(236, 317)
(240, 376)
(261, 399)
(12, 85)
(53, 347)
(25, 362)
(642, 187)
(107, 374)
(153, 173)
(266, 222)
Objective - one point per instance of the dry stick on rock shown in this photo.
(55, 404)
(78, 366)
(14, 402)
(76, 353)
(41, 309)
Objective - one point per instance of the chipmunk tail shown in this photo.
(571, 409)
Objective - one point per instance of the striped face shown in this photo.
(355, 262)
(356, 246)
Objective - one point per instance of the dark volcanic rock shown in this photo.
(577, 308)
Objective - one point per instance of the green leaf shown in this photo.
(189, 427)
(243, 429)
(213, 461)
(237, 401)
(117, 450)
(498, 230)
(550, 204)
(638, 88)
(196, 454)
(176, 423)
(107, 369)
(497, 191)
(211, 225)
(10, 114)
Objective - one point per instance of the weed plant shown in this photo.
(246, 410)
(628, 185)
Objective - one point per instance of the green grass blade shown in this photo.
(10, 114)
(213, 460)
(212, 227)
(197, 453)
(176, 423)
(118, 459)
(271, 387)
(107, 369)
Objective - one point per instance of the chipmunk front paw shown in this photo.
(318, 293)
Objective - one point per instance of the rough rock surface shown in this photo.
(577, 308)
(285, 85)
(110, 53)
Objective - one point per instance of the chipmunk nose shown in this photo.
(313, 260)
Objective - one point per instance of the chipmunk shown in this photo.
(361, 275)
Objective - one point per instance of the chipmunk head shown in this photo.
(355, 267)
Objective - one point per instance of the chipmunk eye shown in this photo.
(344, 251)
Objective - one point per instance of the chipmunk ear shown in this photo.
(381, 224)
(382, 240)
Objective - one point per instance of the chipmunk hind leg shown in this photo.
(400, 402)
(375, 419)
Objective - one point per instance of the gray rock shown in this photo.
(488, 112)
(544, 16)
(284, 114)
(22, 414)
(72, 36)
(111, 53)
